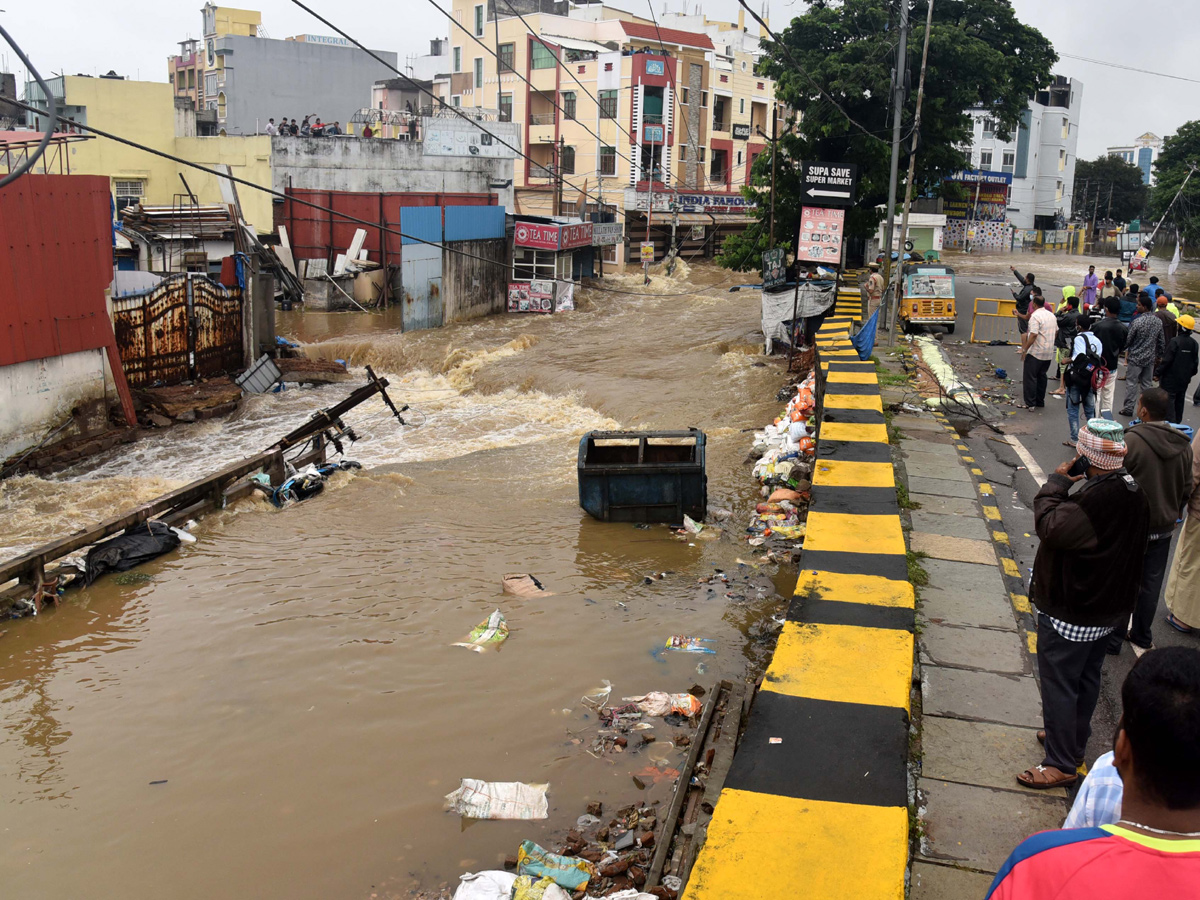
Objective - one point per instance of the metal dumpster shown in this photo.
(643, 476)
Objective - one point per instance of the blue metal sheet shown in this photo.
(424, 222)
(473, 223)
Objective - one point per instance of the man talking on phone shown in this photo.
(1085, 585)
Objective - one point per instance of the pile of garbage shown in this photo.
(786, 449)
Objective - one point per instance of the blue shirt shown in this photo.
(1099, 799)
(1153, 290)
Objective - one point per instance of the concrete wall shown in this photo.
(247, 157)
(472, 287)
(38, 395)
(370, 165)
(268, 78)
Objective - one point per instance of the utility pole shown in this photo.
(912, 167)
(1108, 215)
(1095, 211)
(897, 116)
(774, 157)
(558, 193)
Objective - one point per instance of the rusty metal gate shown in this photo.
(185, 328)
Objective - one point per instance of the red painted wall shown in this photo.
(316, 234)
(56, 260)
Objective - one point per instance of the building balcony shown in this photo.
(720, 126)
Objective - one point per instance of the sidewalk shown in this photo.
(981, 704)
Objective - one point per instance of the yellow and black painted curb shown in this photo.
(1010, 569)
(815, 805)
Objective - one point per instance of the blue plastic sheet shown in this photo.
(864, 341)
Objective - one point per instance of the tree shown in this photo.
(1179, 152)
(833, 68)
(1106, 176)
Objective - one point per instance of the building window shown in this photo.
(989, 128)
(458, 59)
(221, 105)
(210, 84)
(1008, 161)
(683, 96)
(478, 72)
(506, 107)
(1058, 191)
(542, 57)
(985, 159)
(456, 100)
(761, 86)
(533, 265)
(719, 122)
(718, 170)
(608, 67)
(704, 99)
(508, 56)
(608, 160)
(608, 104)
(568, 105)
(1062, 160)
(741, 105)
(566, 160)
(180, 76)
(1066, 132)
(683, 152)
(701, 156)
(479, 21)
(129, 192)
(739, 157)
(724, 79)
(191, 78)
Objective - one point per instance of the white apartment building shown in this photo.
(1142, 153)
(1040, 156)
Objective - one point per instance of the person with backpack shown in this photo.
(1068, 319)
(1082, 377)
(1179, 365)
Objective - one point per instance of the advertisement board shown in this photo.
(774, 271)
(606, 234)
(959, 195)
(821, 234)
(531, 296)
(454, 137)
(647, 251)
(653, 134)
(741, 132)
(930, 284)
(572, 236)
(535, 235)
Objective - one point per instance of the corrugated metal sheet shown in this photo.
(423, 222)
(465, 223)
(55, 262)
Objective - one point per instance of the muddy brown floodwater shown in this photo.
(1057, 269)
(289, 678)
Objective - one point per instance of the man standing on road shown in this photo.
(1168, 318)
(874, 288)
(1022, 298)
(1152, 850)
(1085, 584)
(1108, 288)
(1037, 350)
(1119, 282)
(1160, 460)
(1112, 334)
(1183, 584)
(1079, 389)
(1090, 283)
(1179, 365)
(1154, 288)
(1144, 348)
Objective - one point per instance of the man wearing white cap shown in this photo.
(1085, 584)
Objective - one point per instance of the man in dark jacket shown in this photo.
(1085, 585)
(1159, 458)
(1112, 334)
(1179, 365)
(1022, 298)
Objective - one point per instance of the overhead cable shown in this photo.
(32, 158)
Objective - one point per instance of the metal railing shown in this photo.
(541, 118)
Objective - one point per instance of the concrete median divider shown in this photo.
(816, 803)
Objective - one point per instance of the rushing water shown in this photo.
(1055, 269)
(290, 676)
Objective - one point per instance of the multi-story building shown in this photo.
(186, 69)
(242, 78)
(1142, 153)
(1038, 160)
(645, 115)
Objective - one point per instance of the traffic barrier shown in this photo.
(823, 763)
(993, 320)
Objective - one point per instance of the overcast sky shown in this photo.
(134, 37)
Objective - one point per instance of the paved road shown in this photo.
(1042, 433)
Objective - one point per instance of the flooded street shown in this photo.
(289, 677)
(1055, 269)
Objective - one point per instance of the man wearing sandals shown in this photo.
(1153, 847)
(1085, 585)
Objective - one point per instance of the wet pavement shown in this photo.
(279, 712)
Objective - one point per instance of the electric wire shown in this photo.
(30, 159)
(675, 92)
(333, 212)
(1113, 65)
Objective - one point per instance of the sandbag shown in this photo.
(137, 545)
(493, 885)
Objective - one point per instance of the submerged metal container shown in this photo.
(643, 476)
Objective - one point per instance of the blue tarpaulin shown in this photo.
(864, 341)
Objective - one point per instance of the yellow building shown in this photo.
(644, 115)
(146, 112)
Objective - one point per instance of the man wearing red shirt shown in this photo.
(1154, 850)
